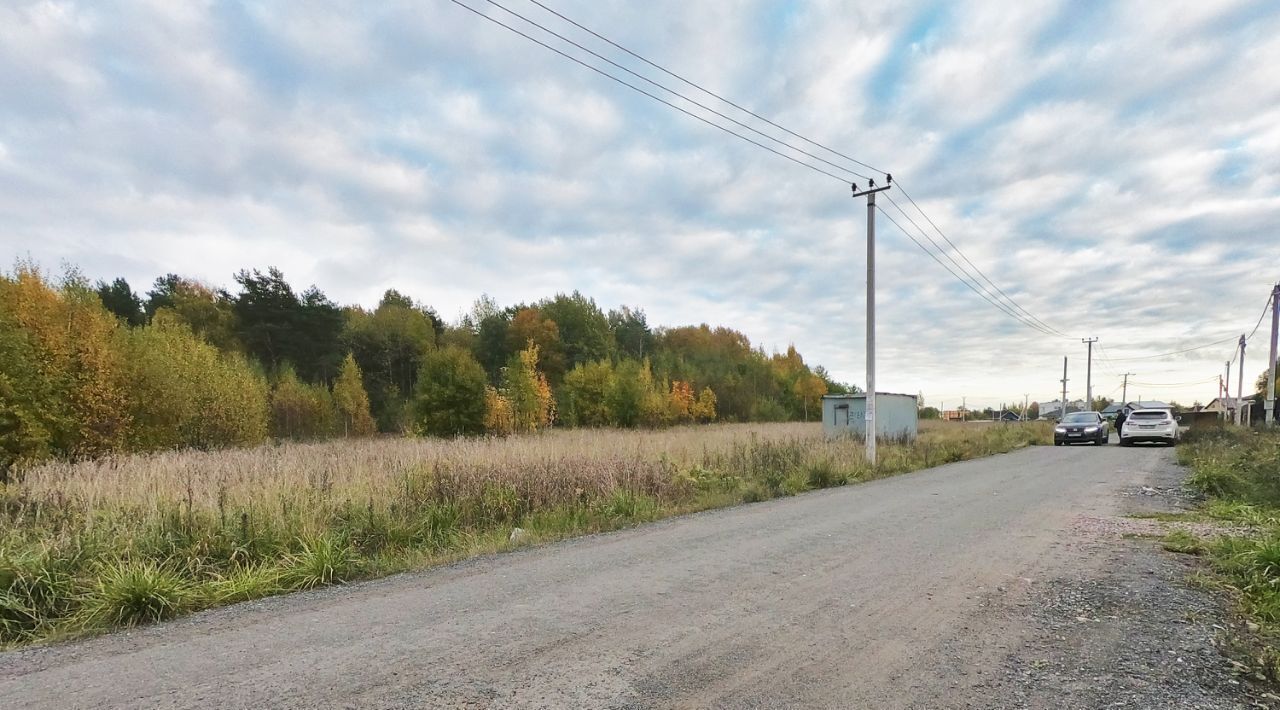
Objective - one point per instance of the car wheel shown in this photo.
(1102, 441)
(1126, 442)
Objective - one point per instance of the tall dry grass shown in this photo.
(554, 461)
(130, 539)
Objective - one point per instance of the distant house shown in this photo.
(1146, 404)
(1008, 416)
(1220, 405)
(1053, 410)
(1112, 410)
(953, 415)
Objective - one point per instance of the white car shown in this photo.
(1149, 425)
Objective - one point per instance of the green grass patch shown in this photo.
(1238, 471)
(1182, 542)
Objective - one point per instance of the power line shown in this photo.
(967, 261)
(646, 93)
(982, 295)
(1030, 320)
(1174, 384)
(1176, 352)
(1265, 308)
(1012, 309)
(707, 91)
(1043, 327)
(673, 92)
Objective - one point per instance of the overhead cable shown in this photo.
(985, 297)
(646, 93)
(707, 91)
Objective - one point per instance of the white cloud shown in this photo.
(1113, 155)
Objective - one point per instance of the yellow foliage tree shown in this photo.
(681, 401)
(72, 342)
(532, 405)
(351, 401)
(704, 410)
(300, 410)
(809, 389)
(183, 392)
(498, 418)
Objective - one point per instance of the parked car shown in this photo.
(1150, 425)
(1082, 426)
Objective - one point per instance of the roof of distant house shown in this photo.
(1148, 404)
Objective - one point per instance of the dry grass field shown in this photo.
(117, 541)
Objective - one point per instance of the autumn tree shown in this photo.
(499, 417)
(66, 338)
(681, 401)
(705, 408)
(526, 388)
(207, 311)
(33, 409)
(530, 325)
(809, 390)
(350, 401)
(183, 392)
(300, 410)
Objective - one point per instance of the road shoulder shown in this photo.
(1131, 630)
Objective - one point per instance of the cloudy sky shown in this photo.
(1110, 166)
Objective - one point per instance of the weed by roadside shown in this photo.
(1238, 470)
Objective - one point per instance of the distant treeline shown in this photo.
(90, 369)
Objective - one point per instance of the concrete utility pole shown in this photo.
(1269, 401)
(1124, 389)
(1226, 394)
(1025, 398)
(1088, 376)
(1240, 385)
(1064, 386)
(870, 192)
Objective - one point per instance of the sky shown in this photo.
(1110, 167)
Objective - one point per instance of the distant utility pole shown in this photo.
(1226, 393)
(1025, 398)
(1124, 389)
(1240, 385)
(1064, 386)
(1088, 376)
(1269, 398)
(870, 192)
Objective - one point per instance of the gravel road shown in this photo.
(998, 583)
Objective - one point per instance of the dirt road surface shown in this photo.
(1000, 583)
